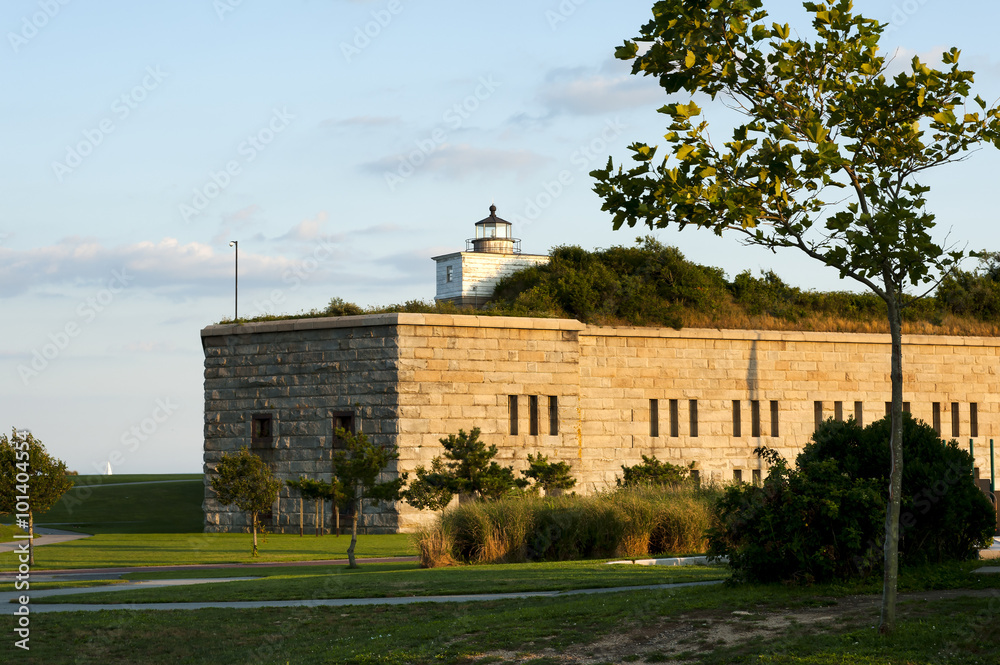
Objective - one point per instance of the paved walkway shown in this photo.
(44, 536)
(333, 602)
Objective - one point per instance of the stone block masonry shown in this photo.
(595, 397)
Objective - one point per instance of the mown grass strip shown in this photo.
(395, 580)
(158, 549)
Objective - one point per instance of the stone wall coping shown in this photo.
(786, 336)
(530, 323)
(371, 320)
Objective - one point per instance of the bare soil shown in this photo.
(677, 639)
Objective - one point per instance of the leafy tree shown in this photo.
(652, 472)
(549, 475)
(28, 470)
(472, 469)
(320, 491)
(431, 490)
(245, 480)
(822, 121)
(357, 467)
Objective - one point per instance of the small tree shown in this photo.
(549, 475)
(827, 161)
(652, 472)
(358, 466)
(27, 470)
(432, 490)
(297, 486)
(246, 481)
(471, 466)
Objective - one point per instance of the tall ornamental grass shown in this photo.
(630, 522)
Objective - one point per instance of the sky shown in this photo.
(342, 144)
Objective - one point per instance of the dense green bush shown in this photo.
(652, 472)
(630, 522)
(825, 518)
(943, 515)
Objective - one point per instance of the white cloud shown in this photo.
(461, 160)
(582, 91)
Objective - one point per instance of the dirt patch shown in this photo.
(674, 639)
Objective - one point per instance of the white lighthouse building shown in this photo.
(469, 277)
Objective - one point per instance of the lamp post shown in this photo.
(236, 294)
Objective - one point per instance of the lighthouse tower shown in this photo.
(469, 277)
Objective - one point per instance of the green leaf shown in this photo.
(689, 60)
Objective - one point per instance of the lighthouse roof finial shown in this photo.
(493, 210)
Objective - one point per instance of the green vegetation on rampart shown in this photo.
(650, 284)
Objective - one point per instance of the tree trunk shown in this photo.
(253, 526)
(336, 514)
(316, 520)
(891, 549)
(322, 517)
(302, 518)
(31, 538)
(354, 535)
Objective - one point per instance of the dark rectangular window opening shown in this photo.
(936, 417)
(955, 418)
(818, 413)
(738, 475)
(859, 412)
(838, 411)
(512, 408)
(755, 474)
(674, 417)
(553, 415)
(774, 417)
(654, 418)
(888, 408)
(261, 430)
(533, 415)
(693, 415)
(737, 424)
(342, 421)
(696, 476)
(754, 417)
(973, 419)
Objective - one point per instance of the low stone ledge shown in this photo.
(673, 561)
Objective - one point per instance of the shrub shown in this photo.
(629, 522)
(652, 472)
(825, 518)
(548, 475)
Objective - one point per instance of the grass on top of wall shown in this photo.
(632, 522)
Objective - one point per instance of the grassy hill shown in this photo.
(130, 504)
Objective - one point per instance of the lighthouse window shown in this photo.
(449, 273)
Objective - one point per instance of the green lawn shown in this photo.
(100, 504)
(7, 532)
(388, 580)
(158, 549)
(638, 626)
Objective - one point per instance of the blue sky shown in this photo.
(343, 144)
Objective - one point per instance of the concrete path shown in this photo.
(334, 602)
(44, 536)
(993, 552)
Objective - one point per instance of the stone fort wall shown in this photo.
(596, 397)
